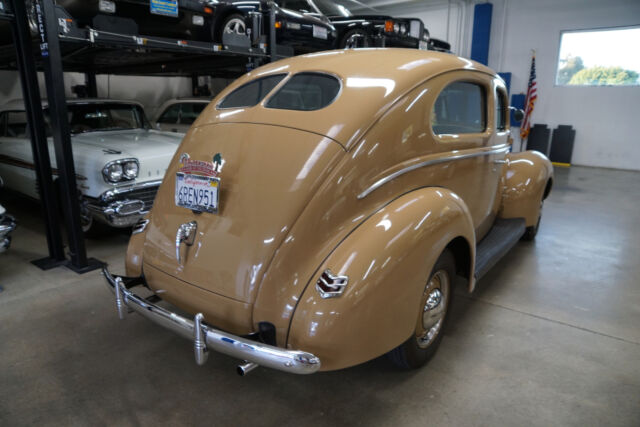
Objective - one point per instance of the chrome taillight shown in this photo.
(330, 285)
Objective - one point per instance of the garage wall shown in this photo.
(150, 91)
(604, 117)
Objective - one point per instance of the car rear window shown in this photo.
(306, 92)
(251, 93)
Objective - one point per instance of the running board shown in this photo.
(504, 234)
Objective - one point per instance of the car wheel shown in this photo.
(432, 318)
(233, 24)
(531, 231)
(354, 39)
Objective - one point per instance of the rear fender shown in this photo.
(388, 259)
(527, 180)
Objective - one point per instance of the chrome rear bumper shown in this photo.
(207, 338)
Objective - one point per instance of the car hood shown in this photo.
(129, 143)
(269, 175)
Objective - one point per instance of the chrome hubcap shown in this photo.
(235, 26)
(434, 302)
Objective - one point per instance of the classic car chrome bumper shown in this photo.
(7, 225)
(206, 337)
(124, 206)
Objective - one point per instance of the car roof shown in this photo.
(372, 80)
(18, 104)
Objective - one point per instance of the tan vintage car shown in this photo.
(319, 211)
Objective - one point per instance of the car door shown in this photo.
(462, 122)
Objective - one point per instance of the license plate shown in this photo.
(319, 32)
(422, 45)
(196, 192)
(164, 7)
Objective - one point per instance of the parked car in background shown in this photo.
(363, 30)
(192, 20)
(119, 159)
(7, 225)
(177, 115)
(320, 210)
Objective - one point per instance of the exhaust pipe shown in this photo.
(245, 368)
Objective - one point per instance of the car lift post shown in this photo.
(54, 78)
(272, 31)
(92, 85)
(39, 145)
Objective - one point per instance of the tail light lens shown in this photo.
(388, 26)
(330, 285)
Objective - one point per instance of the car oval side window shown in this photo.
(460, 108)
(251, 93)
(306, 92)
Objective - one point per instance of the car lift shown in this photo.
(63, 44)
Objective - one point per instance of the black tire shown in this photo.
(410, 354)
(355, 38)
(531, 232)
(226, 22)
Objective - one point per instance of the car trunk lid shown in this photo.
(268, 176)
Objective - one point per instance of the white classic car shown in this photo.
(119, 160)
(177, 115)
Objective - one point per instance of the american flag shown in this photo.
(530, 101)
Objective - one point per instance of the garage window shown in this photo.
(602, 57)
(460, 108)
(251, 93)
(306, 92)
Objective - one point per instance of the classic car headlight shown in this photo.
(121, 170)
(403, 29)
(130, 170)
(396, 28)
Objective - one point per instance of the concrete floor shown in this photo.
(551, 337)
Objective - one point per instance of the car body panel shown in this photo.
(527, 181)
(382, 293)
(262, 168)
(394, 190)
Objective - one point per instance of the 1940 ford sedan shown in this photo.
(318, 211)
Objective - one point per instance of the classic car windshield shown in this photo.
(330, 8)
(95, 117)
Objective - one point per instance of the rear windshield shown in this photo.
(251, 93)
(306, 92)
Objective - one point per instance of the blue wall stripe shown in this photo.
(481, 32)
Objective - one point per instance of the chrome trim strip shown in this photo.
(207, 337)
(110, 194)
(382, 181)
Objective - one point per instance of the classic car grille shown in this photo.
(147, 195)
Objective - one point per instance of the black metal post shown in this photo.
(194, 84)
(92, 85)
(54, 78)
(272, 32)
(39, 144)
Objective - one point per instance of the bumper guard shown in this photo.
(205, 337)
